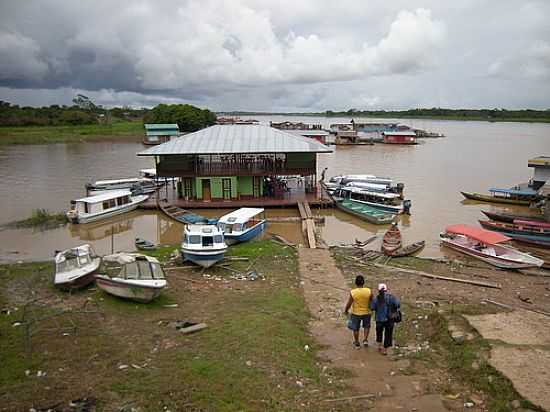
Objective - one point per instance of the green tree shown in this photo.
(189, 118)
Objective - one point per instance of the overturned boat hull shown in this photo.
(141, 291)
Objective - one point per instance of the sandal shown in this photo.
(366, 343)
(357, 345)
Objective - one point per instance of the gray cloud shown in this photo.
(284, 55)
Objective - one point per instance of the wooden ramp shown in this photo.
(308, 223)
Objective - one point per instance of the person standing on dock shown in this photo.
(385, 306)
(359, 301)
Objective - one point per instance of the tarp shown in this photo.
(482, 235)
(513, 191)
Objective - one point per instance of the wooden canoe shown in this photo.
(185, 216)
(365, 212)
(392, 240)
(534, 232)
(509, 218)
(408, 250)
(493, 199)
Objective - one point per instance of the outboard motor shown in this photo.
(399, 188)
(407, 206)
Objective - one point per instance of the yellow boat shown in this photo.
(508, 196)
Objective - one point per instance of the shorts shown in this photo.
(354, 322)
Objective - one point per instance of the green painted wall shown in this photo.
(216, 188)
(300, 160)
(245, 185)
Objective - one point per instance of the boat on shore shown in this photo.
(525, 229)
(142, 185)
(388, 202)
(365, 212)
(75, 267)
(408, 250)
(203, 245)
(507, 196)
(143, 244)
(134, 276)
(509, 217)
(103, 206)
(487, 246)
(391, 242)
(242, 224)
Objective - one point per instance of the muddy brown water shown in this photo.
(473, 156)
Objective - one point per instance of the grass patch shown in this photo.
(68, 134)
(41, 219)
(162, 253)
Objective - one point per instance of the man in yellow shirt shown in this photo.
(359, 301)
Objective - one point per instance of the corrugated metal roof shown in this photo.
(224, 139)
(161, 126)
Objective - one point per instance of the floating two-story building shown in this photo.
(241, 164)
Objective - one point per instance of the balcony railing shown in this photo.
(253, 168)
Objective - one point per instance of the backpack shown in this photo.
(394, 314)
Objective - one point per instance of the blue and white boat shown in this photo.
(386, 201)
(203, 245)
(242, 224)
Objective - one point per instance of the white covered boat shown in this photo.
(138, 184)
(386, 201)
(75, 267)
(336, 182)
(242, 224)
(108, 204)
(486, 246)
(203, 244)
(134, 276)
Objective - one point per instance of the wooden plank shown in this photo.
(310, 228)
(302, 210)
(307, 209)
(194, 328)
(430, 276)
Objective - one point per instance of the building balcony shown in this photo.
(204, 169)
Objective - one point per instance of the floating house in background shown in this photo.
(157, 133)
(541, 172)
(247, 165)
(313, 131)
(235, 120)
(399, 137)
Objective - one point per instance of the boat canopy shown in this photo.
(385, 195)
(121, 181)
(241, 215)
(482, 235)
(203, 229)
(515, 192)
(111, 194)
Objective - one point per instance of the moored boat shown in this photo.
(507, 196)
(185, 216)
(509, 218)
(529, 231)
(242, 224)
(142, 185)
(75, 267)
(135, 276)
(391, 241)
(365, 212)
(143, 244)
(408, 250)
(203, 245)
(108, 204)
(386, 201)
(335, 182)
(487, 246)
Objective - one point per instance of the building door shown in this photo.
(206, 196)
(256, 185)
(226, 189)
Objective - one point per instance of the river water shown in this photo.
(472, 157)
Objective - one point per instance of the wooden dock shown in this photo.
(308, 223)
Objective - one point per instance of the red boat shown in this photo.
(521, 222)
(392, 240)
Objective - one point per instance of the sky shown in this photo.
(283, 55)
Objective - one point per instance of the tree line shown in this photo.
(84, 112)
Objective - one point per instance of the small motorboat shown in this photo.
(143, 244)
(203, 245)
(365, 212)
(387, 201)
(108, 204)
(75, 267)
(487, 246)
(508, 196)
(408, 250)
(242, 225)
(509, 218)
(391, 241)
(132, 276)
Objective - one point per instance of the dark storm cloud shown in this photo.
(284, 55)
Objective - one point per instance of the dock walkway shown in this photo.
(308, 223)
